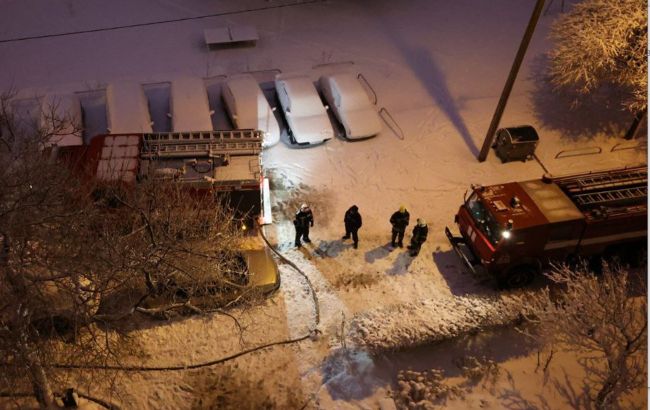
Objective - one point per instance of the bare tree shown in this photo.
(602, 42)
(597, 318)
(69, 246)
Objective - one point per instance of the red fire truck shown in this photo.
(512, 230)
(224, 162)
(227, 162)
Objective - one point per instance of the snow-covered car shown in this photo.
(303, 109)
(351, 105)
(127, 108)
(249, 109)
(188, 102)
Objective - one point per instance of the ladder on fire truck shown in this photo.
(200, 144)
(617, 187)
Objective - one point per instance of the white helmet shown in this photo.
(421, 222)
(304, 207)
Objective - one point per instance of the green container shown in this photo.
(516, 143)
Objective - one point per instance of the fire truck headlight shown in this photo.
(505, 234)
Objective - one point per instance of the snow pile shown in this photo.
(413, 324)
(422, 389)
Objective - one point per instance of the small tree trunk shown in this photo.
(607, 394)
(636, 125)
(603, 399)
(40, 383)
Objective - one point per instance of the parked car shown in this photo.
(127, 108)
(303, 109)
(61, 117)
(188, 102)
(248, 108)
(351, 105)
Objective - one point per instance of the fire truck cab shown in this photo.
(512, 230)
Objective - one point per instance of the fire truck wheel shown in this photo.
(518, 277)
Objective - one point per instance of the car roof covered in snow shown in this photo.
(303, 95)
(353, 96)
(251, 107)
(247, 94)
(188, 102)
(127, 108)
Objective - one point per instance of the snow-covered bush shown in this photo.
(478, 369)
(413, 324)
(603, 320)
(422, 390)
(601, 42)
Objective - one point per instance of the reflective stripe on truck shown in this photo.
(615, 237)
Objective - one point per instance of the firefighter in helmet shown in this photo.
(352, 221)
(420, 232)
(399, 220)
(303, 220)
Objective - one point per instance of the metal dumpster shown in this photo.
(516, 143)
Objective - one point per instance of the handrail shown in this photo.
(272, 70)
(383, 113)
(374, 94)
(203, 136)
(621, 147)
(577, 153)
(333, 63)
(201, 143)
(214, 77)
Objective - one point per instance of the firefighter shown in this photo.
(304, 219)
(399, 220)
(420, 232)
(352, 221)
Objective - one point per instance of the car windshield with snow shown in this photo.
(304, 111)
(249, 109)
(351, 105)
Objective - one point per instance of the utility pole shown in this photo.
(487, 143)
(636, 124)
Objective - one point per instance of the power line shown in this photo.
(153, 23)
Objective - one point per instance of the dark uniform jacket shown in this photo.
(304, 219)
(400, 220)
(420, 233)
(352, 219)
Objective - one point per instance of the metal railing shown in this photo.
(201, 143)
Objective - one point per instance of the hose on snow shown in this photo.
(294, 266)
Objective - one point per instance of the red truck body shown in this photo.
(226, 163)
(514, 229)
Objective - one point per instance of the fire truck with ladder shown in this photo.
(225, 163)
(514, 229)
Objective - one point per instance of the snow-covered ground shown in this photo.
(437, 69)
